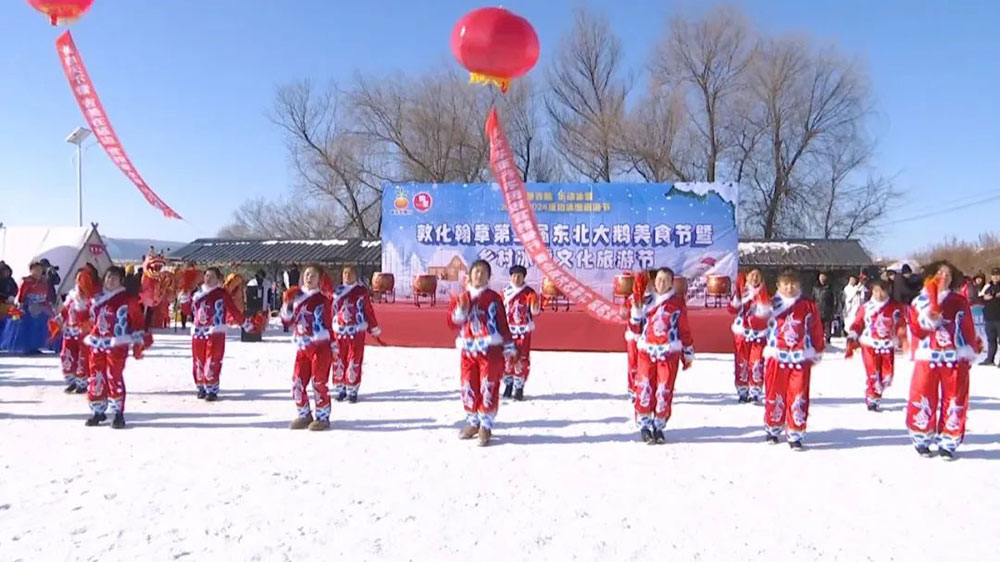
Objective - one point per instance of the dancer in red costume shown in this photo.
(946, 345)
(795, 342)
(484, 340)
(874, 329)
(752, 306)
(664, 343)
(117, 324)
(213, 309)
(632, 332)
(75, 322)
(309, 314)
(523, 305)
(353, 316)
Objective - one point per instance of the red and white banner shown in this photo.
(96, 249)
(93, 112)
(525, 225)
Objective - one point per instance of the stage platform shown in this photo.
(405, 325)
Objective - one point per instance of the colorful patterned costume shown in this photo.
(309, 315)
(353, 315)
(664, 339)
(522, 305)
(875, 329)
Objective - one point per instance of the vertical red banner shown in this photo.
(93, 112)
(525, 225)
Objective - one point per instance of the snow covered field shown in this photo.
(565, 478)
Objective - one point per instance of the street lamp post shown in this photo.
(77, 137)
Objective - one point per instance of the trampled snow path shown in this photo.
(564, 480)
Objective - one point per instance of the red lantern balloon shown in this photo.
(61, 12)
(495, 46)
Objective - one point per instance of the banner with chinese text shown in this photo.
(597, 231)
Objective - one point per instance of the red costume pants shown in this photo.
(206, 353)
(879, 365)
(749, 366)
(75, 362)
(312, 365)
(632, 348)
(481, 374)
(106, 390)
(347, 365)
(787, 398)
(654, 390)
(518, 368)
(933, 384)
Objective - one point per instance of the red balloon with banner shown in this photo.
(495, 46)
(62, 12)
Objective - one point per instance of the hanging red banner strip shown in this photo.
(93, 112)
(525, 225)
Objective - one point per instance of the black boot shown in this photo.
(519, 394)
(946, 454)
(872, 407)
(658, 436)
(211, 397)
(795, 445)
(352, 397)
(95, 420)
(647, 435)
(770, 439)
(70, 388)
(924, 451)
(81, 389)
(508, 390)
(341, 395)
(119, 421)
(202, 394)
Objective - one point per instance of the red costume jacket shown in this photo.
(794, 332)
(75, 315)
(352, 311)
(877, 324)
(309, 313)
(665, 329)
(948, 339)
(117, 320)
(481, 319)
(211, 308)
(752, 310)
(519, 302)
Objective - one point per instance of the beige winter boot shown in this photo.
(468, 432)
(319, 425)
(301, 423)
(484, 436)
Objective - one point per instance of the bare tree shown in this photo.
(656, 139)
(804, 98)
(430, 127)
(333, 161)
(283, 219)
(707, 60)
(529, 139)
(586, 97)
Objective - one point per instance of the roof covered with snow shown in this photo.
(272, 251)
(804, 252)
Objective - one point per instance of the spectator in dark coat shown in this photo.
(8, 286)
(991, 313)
(978, 284)
(826, 301)
(51, 275)
(906, 286)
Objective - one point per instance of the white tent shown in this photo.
(66, 247)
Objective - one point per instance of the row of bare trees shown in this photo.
(720, 102)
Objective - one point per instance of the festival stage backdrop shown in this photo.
(595, 230)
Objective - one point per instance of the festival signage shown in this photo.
(586, 235)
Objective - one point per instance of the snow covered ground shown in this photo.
(565, 479)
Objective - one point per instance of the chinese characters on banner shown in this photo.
(522, 219)
(93, 112)
(583, 235)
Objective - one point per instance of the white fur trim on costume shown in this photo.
(475, 293)
(459, 316)
(510, 292)
(376, 331)
(105, 297)
(490, 341)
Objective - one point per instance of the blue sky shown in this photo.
(188, 83)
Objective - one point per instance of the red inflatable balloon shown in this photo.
(61, 12)
(495, 46)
